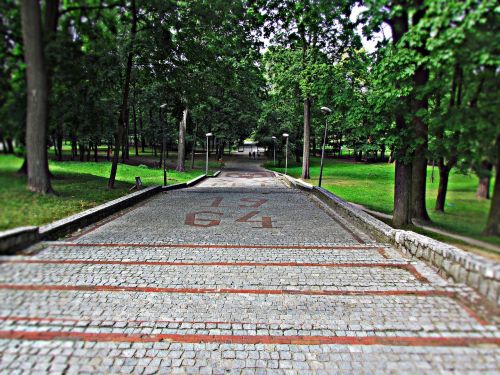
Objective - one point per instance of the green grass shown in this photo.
(78, 186)
(372, 185)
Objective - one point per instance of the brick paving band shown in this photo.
(293, 340)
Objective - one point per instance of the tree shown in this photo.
(308, 26)
(37, 90)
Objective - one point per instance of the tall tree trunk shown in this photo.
(306, 145)
(10, 145)
(419, 103)
(403, 167)
(37, 100)
(493, 224)
(59, 142)
(193, 151)
(82, 151)
(136, 139)
(74, 147)
(483, 189)
(96, 151)
(89, 149)
(402, 194)
(444, 174)
(181, 149)
(123, 110)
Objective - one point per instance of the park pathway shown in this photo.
(239, 274)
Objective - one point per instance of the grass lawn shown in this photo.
(371, 185)
(79, 186)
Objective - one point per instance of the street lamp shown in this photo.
(208, 135)
(326, 111)
(164, 147)
(286, 152)
(274, 151)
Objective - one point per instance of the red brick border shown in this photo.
(112, 288)
(240, 339)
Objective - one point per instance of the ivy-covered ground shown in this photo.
(372, 185)
(78, 186)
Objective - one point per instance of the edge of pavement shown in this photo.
(452, 263)
(19, 238)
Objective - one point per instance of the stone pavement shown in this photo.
(237, 275)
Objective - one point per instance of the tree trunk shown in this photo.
(193, 151)
(484, 174)
(10, 145)
(123, 109)
(37, 100)
(402, 195)
(82, 151)
(306, 144)
(419, 165)
(89, 149)
(493, 224)
(181, 149)
(96, 151)
(59, 143)
(136, 139)
(444, 174)
(74, 147)
(142, 131)
(403, 167)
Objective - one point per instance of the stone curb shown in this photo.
(451, 262)
(70, 224)
(17, 238)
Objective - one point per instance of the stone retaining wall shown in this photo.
(451, 262)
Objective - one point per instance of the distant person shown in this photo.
(249, 154)
(254, 155)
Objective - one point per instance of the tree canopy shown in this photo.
(128, 74)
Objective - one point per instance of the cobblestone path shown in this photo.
(237, 275)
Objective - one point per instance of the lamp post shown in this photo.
(164, 147)
(326, 111)
(208, 135)
(274, 150)
(286, 152)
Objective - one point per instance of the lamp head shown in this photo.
(273, 137)
(326, 110)
(163, 105)
(285, 135)
(209, 135)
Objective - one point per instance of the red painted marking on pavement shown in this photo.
(251, 339)
(214, 246)
(407, 267)
(112, 288)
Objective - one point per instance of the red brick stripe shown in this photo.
(112, 288)
(240, 339)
